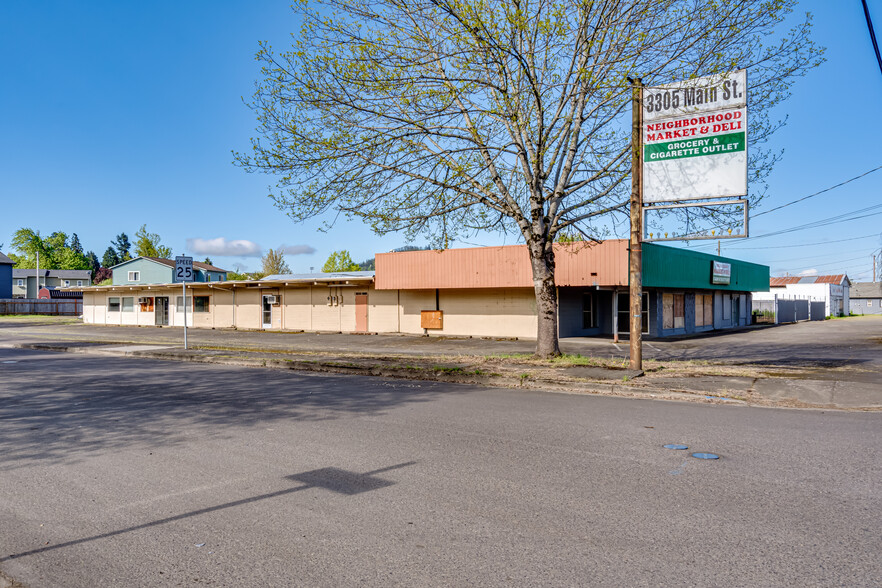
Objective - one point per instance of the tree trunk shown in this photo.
(542, 262)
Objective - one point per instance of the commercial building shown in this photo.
(484, 292)
(832, 290)
(865, 298)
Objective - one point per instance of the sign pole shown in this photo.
(183, 274)
(184, 292)
(635, 265)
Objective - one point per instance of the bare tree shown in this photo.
(448, 117)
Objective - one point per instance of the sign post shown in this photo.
(688, 143)
(184, 274)
(635, 264)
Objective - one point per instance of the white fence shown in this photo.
(56, 306)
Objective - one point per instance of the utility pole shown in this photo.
(635, 265)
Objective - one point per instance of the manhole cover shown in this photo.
(706, 455)
(676, 446)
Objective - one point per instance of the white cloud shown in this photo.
(298, 249)
(809, 272)
(220, 246)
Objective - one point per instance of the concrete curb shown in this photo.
(342, 367)
(635, 389)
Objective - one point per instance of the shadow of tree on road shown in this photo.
(63, 408)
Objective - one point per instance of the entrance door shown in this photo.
(160, 312)
(361, 312)
(268, 301)
(736, 310)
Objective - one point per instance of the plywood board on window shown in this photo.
(667, 311)
(431, 319)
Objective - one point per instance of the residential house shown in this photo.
(155, 270)
(5, 276)
(865, 298)
(25, 281)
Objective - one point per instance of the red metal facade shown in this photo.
(577, 264)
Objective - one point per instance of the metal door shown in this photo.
(361, 312)
(160, 312)
(268, 311)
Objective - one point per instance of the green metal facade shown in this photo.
(670, 267)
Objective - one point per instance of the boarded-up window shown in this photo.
(667, 311)
(679, 311)
(704, 310)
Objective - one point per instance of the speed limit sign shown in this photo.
(183, 269)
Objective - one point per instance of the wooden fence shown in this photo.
(57, 306)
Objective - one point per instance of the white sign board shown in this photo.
(721, 273)
(695, 139)
(183, 269)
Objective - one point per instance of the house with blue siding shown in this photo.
(865, 298)
(155, 270)
(5, 276)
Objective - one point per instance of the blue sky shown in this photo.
(118, 114)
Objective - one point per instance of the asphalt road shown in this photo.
(125, 472)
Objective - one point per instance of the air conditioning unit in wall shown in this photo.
(270, 299)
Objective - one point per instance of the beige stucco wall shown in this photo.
(411, 304)
(248, 308)
(383, 312)
(325, 317)
(467, 312)
(509, 312)
(297, 315)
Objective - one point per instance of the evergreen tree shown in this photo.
(111, 258)
(75, 244)
(122, 246)
(94, 264)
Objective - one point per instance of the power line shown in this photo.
(802, 244)
(842, 218)
(818, 193)
(872, 34)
